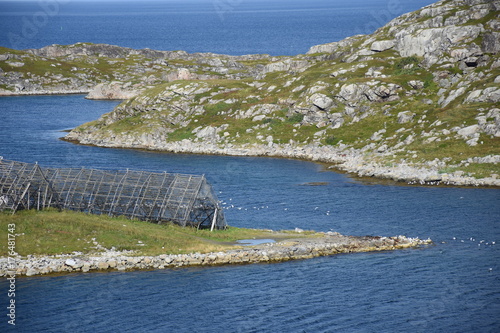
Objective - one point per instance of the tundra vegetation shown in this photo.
(417, 100)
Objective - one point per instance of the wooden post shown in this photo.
(214, 220)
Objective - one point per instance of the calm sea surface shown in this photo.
(453, 286)
(276, 27)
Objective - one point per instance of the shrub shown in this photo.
(296, 118)
(331, 140)
(406, 65)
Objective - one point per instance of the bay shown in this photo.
(451, 286)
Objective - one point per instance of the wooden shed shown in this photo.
(187, 200)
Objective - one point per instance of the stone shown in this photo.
(469, 131)
(286, 65)
(405, 117)
(102, 265)
(70, 262)
(15, 63)
(382, 45)
(374, 72)
(113, 90)
(473, 96)
(409, 139)
(431, 43)
(492, 94)
(377, 136)
(321, 101)
(207, 133)
(472, 142)
(416, 84)
(382, 149)
(491, 42)
(433, 178)
(452, 96)
(259, 118)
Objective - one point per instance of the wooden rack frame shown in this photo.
(187, 200)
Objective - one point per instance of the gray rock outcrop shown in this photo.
(417, 85)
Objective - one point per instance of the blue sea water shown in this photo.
(452, 286)
(276, 27)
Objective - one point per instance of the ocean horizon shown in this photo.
(234, 27)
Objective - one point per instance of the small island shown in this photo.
(53, 242)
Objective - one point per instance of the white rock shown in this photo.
(259, 118)
(208, 132)
(321, 101)
(452, 96)
(70, 262)
(405, 117)
(382, 45)
(469, 131)
(382, 149)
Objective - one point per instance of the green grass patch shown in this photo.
(295, 118)
(181, 134)
(480, 170)
(358, 134)
(127, 124)
(51, 232)
(458, 151)
(331, 140)
(406, 65)
(214, 109)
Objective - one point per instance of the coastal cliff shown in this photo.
(416, 101)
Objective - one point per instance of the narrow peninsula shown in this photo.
(52, 242)
(416, 101)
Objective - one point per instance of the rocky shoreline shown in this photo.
(330, 243)
(348, 160)
(417, 101)
(45, 92)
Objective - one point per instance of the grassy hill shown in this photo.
(417, 100)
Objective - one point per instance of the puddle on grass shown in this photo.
(250, 242)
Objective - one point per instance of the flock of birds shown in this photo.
(229, 205)
(472, 239)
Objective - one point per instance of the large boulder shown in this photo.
(382, 45)
(321, 101)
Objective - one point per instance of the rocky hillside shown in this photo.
(418, 100)
(112, 72)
